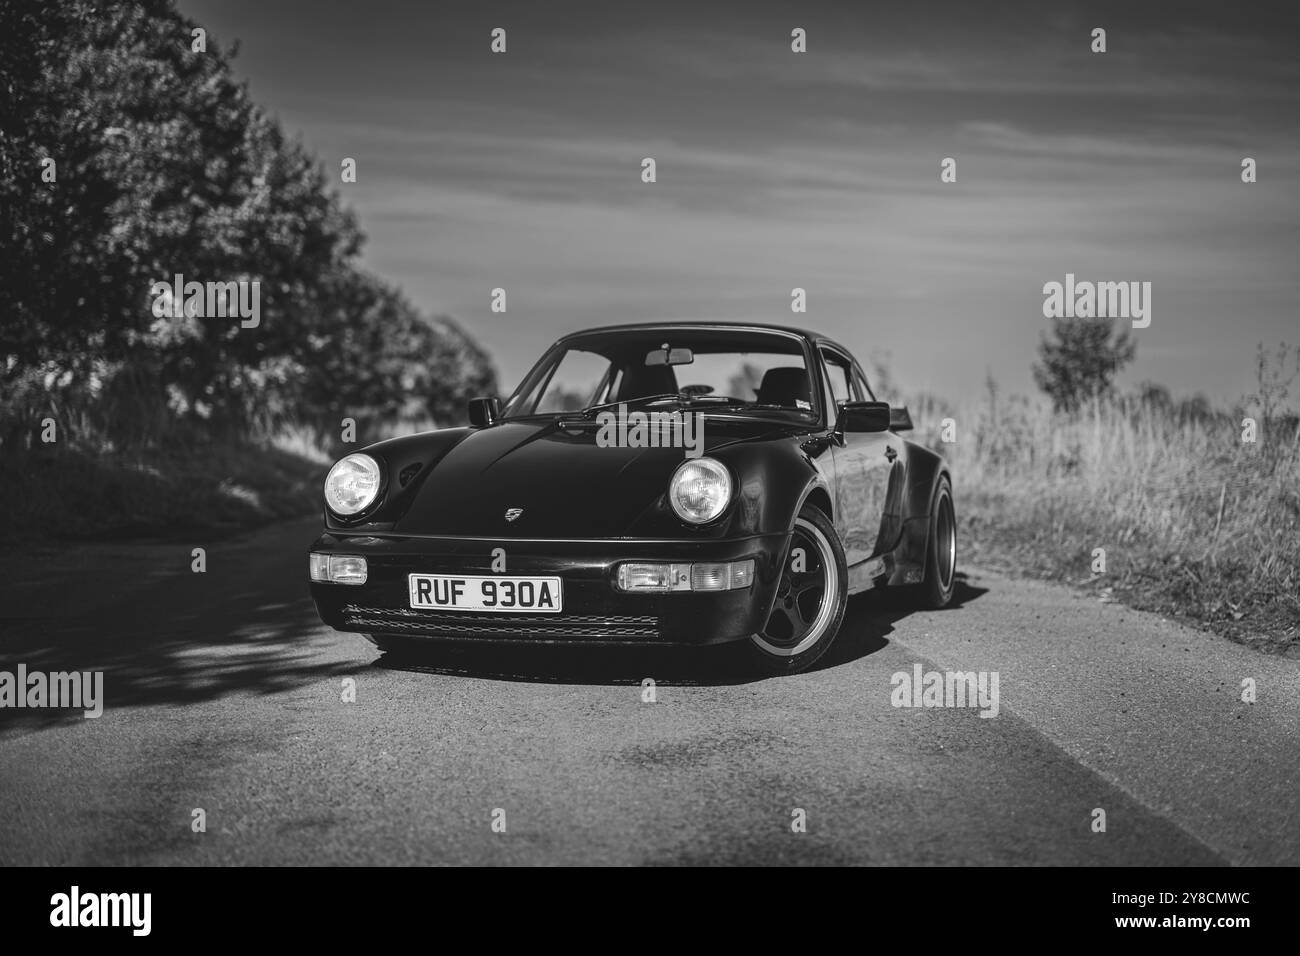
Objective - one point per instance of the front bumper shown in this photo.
(594, 610)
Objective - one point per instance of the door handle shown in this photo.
(890, 453)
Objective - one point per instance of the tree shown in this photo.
(1275, 373)
(1081, 361)
(164, 165)
(1155, 396)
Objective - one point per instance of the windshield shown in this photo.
(730, 369)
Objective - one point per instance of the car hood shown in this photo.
(562, 482)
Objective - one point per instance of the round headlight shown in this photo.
(700, 490)
(352, 484)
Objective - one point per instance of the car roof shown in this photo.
(817, 338)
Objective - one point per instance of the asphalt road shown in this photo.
(224, 693)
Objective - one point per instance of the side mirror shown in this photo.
(863, 417)
(484, 411)
(899, 419)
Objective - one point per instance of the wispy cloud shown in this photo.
(819, 170)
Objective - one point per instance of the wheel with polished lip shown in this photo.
(941, 549)
(810, 599)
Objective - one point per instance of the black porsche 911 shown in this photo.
(667, 484)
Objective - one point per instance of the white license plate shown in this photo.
(496, 592)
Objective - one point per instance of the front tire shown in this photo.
(812, 594)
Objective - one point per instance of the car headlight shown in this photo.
(700, 490)
(352, 484)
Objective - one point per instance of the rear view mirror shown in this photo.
(667, 356)
(484, 411)
(863, 417)
(899, 419)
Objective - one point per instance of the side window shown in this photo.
(837, 380)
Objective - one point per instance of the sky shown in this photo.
(818, 170)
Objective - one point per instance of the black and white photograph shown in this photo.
(606, 434)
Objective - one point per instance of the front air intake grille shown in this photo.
(614, 627)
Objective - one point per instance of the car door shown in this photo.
(863, 461)
(889, 478)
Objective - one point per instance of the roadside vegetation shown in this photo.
(1195, 522)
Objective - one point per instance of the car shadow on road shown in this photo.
(869, 620)
(871, 617)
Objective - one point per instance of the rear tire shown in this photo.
(809, 606)
(941, 550)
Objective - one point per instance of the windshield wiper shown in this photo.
(716, 400)
(689, 400)
(641, 399)
(779, 407)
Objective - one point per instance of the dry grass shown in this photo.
(1195, 523)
